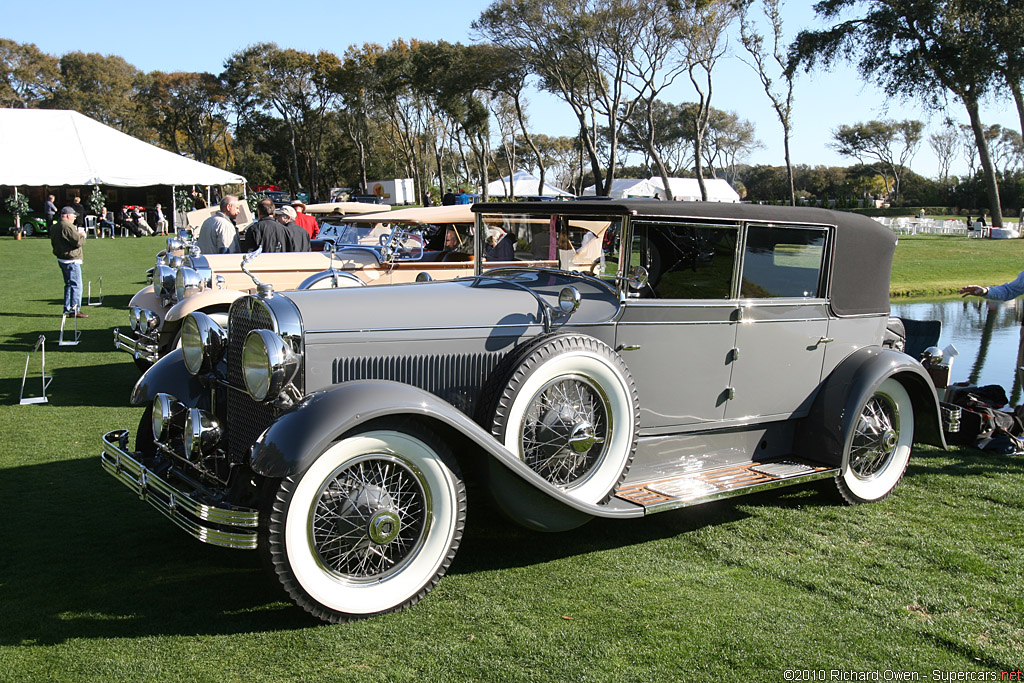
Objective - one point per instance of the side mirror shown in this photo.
(637, 278)
(568, 300)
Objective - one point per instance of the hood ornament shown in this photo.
(264, 290)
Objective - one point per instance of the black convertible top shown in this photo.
(862, 258)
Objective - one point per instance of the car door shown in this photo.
(677, 332)
(783, 322)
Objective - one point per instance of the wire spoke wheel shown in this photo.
(370, 526)
(569, 409)
(565, 429)
(878, 449)
(369, 518)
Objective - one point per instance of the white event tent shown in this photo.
(624, 188)
(687, 189)
(523, 184)
(62, 147)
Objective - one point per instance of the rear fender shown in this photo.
(299, 436)
(825, 430)
(169, 375)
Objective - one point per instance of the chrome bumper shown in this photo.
(139, 347)
(223, 525)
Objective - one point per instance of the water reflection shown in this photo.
(988, 335)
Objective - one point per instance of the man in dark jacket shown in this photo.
(298, 239)
(67, 242)
(267, 232)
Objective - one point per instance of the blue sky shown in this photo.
(198, 36)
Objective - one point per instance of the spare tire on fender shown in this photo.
(568, 407)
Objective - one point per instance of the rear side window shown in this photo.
(783, 262)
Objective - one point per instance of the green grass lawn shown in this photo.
(97, 586)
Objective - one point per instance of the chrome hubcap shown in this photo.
(369, 519)
(564, 430)
(876, 437)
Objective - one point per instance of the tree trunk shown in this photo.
(991, 184)
(789, 164)
(1018, 98)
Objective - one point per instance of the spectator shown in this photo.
(161, 222)
(298, 238)
(198, 202)
(67, 241)
(50, 209)
(304, 220)
(267, 232)
(500, 246)
(218, 234)
(105, 222)
(140, 222)
(79, 212)
(448, 198)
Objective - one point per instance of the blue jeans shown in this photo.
(72, 285)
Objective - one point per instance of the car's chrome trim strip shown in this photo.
(179, 506)
(139, 348)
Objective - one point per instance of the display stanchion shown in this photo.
(98, 302)
(78, 334)
(45, 379)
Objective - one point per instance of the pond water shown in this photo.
(988, 335)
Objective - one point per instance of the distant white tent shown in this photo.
(624, 188)
(687, 189)
(523, 184)
(60, 147)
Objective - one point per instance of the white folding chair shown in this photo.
(90, 226)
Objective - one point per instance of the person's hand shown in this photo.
(973, 290)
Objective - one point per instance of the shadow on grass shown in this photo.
(84, 558)
(88, 386)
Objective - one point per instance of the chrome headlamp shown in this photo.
(134, 315)
(148, 321)
(163, 282)
(168, 417)
(203, 342)
(174, 261)
(268, 364)
(175, 244)
(187, 283)
(202, 433)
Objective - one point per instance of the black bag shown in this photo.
(979, 419)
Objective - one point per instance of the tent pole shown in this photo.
(17, 216)
(174, 210)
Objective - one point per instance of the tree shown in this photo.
(101, 87)
(891, 143)
(704, 39)
(294, 84)
(188, 113)
(27, 75)
(779, 90)
(945, 144)
(917, 49)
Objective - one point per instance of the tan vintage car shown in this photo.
(373, 249)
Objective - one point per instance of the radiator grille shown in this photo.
(456, 379)
(247, 418)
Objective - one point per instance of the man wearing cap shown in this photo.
(304, 220)
(267, 232)
(66, 241)
(217, 234)
(298, 239)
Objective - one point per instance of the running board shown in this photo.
(659, 495)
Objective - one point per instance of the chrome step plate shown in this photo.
(723, 482)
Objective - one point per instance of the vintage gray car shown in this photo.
(725, 350)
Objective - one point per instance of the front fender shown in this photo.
(826, 429)
(206, 299)
(148, 299)
(168, 375)
(298, 437)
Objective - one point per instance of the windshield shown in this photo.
(582, 244)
